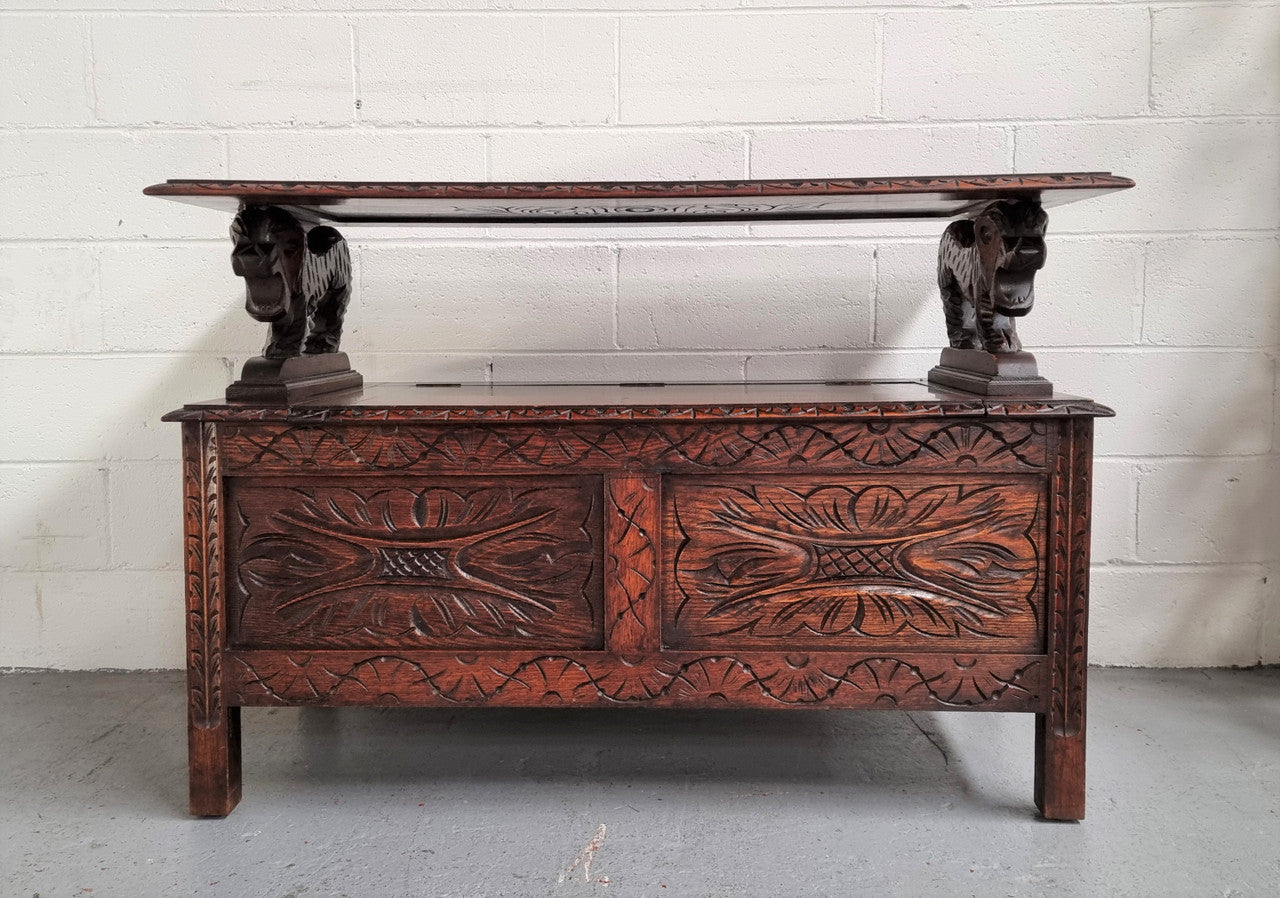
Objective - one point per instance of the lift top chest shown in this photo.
(917, 545)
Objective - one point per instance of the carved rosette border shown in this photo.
(781, 447)
(203, 568)
(1068, 602)
(916, 681)
(631, 564)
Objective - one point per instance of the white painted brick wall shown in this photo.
(1163, 302)
(810, 66)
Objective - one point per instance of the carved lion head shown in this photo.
(1010, 238)
(268, 252)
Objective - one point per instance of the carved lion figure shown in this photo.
(986, 272)
(299, 281)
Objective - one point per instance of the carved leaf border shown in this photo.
(791, 445)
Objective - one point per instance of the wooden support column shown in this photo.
(631, 565)
(213, 729)
(1060, 731)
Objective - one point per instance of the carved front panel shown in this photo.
(416, 562)
(918, 562)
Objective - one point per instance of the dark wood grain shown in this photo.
(632, 546)
(921, 680)
(908, 562)
(876, 552)
(709, 402)
(1012, 446)
(1060, 728)
(415, 562)
(213, 725)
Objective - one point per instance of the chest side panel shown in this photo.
(415, 561)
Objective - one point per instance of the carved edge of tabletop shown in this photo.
(1044, 408)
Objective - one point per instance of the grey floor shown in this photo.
(1184, 797)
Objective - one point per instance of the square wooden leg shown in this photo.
(1059, 788)
(215, 766)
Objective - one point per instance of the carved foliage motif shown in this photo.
(202, 550)
(811, 560)
(1005, 682)
(927, 445)
(424, 563)
(1070, 582)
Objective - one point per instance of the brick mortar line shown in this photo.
(825, 351)
(692, 127)
(597, 12)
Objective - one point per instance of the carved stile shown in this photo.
(1060, 730)
(631, 568)
(214, 728)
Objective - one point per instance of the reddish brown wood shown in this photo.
(714, 402)
(874, 552)
(909, 680)
(915, 446)
(1060, 729)
(944, 563)
(632, 542)
(839, 198)
(213, 727)
(415, 562)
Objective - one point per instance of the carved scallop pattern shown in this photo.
(1004, 682)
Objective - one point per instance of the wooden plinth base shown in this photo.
(282, 381)
(975, 371)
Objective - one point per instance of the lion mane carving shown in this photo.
(986, 272)
(298, 280)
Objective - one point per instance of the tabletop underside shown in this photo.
(382, 202)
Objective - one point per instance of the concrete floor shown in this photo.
(1184, 798)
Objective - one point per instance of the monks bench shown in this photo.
(911, 545)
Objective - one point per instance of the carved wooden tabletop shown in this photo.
(383, 202)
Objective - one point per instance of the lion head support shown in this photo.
(986, 274)
(268, 253)
(1010, 238)
(298, 281)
